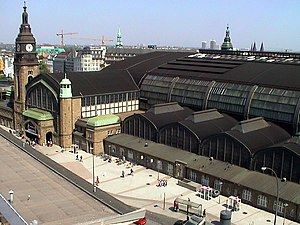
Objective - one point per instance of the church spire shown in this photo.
(254, 47)
(119, 39)
(262, 48)
(227, 45)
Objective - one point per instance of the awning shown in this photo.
(31, 132)
(38, 114)
(189, 203)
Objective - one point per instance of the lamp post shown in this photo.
(277, 190)
(285, 205)
(221, 183)
(92, 151)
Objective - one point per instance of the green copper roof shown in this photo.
(103, 120)
(50, 50)
(227, 45)
(37, 114)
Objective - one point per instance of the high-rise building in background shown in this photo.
(213, 44)
(90, 58)
(203, 45)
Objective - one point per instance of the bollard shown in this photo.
(11, 196)
(225, 217)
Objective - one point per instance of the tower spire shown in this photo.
(254, 47)
(262, 48)
(227, 45)
(119, 39)
(25, 15)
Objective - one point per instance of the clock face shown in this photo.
(29, 47)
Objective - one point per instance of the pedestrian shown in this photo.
(176, 206)
(131, 171)
(81, 158)
(28, 197)
(123, 173)
(77, 157)
(97, 181)
(204, 213)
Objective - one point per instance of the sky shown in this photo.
(184, 23)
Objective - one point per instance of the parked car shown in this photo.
(141, 221)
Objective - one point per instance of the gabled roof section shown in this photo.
(46, 80)
(250, 125)
(208, 122)
(257, 135)
(204, 115)
(98, 82)
(165, 108)
(163, 114)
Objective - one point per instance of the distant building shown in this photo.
(90, 59)
(213, 44)
(6, 65)
(114, 54)
(49, 49)
(203, 45)
(1, 65)
(63, 62)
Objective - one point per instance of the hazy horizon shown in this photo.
(163, 23)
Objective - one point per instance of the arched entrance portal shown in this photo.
(49, 138)
(31, 131)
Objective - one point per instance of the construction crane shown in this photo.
(102, 40)
(62, 34)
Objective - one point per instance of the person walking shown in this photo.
(123, 174)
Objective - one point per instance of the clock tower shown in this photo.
(26, 67)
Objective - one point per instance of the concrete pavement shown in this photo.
(52, 200)
(141, 190)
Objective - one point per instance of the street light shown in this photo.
(277, 190)
(285, 205)
(221, 183)
(92, 151)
